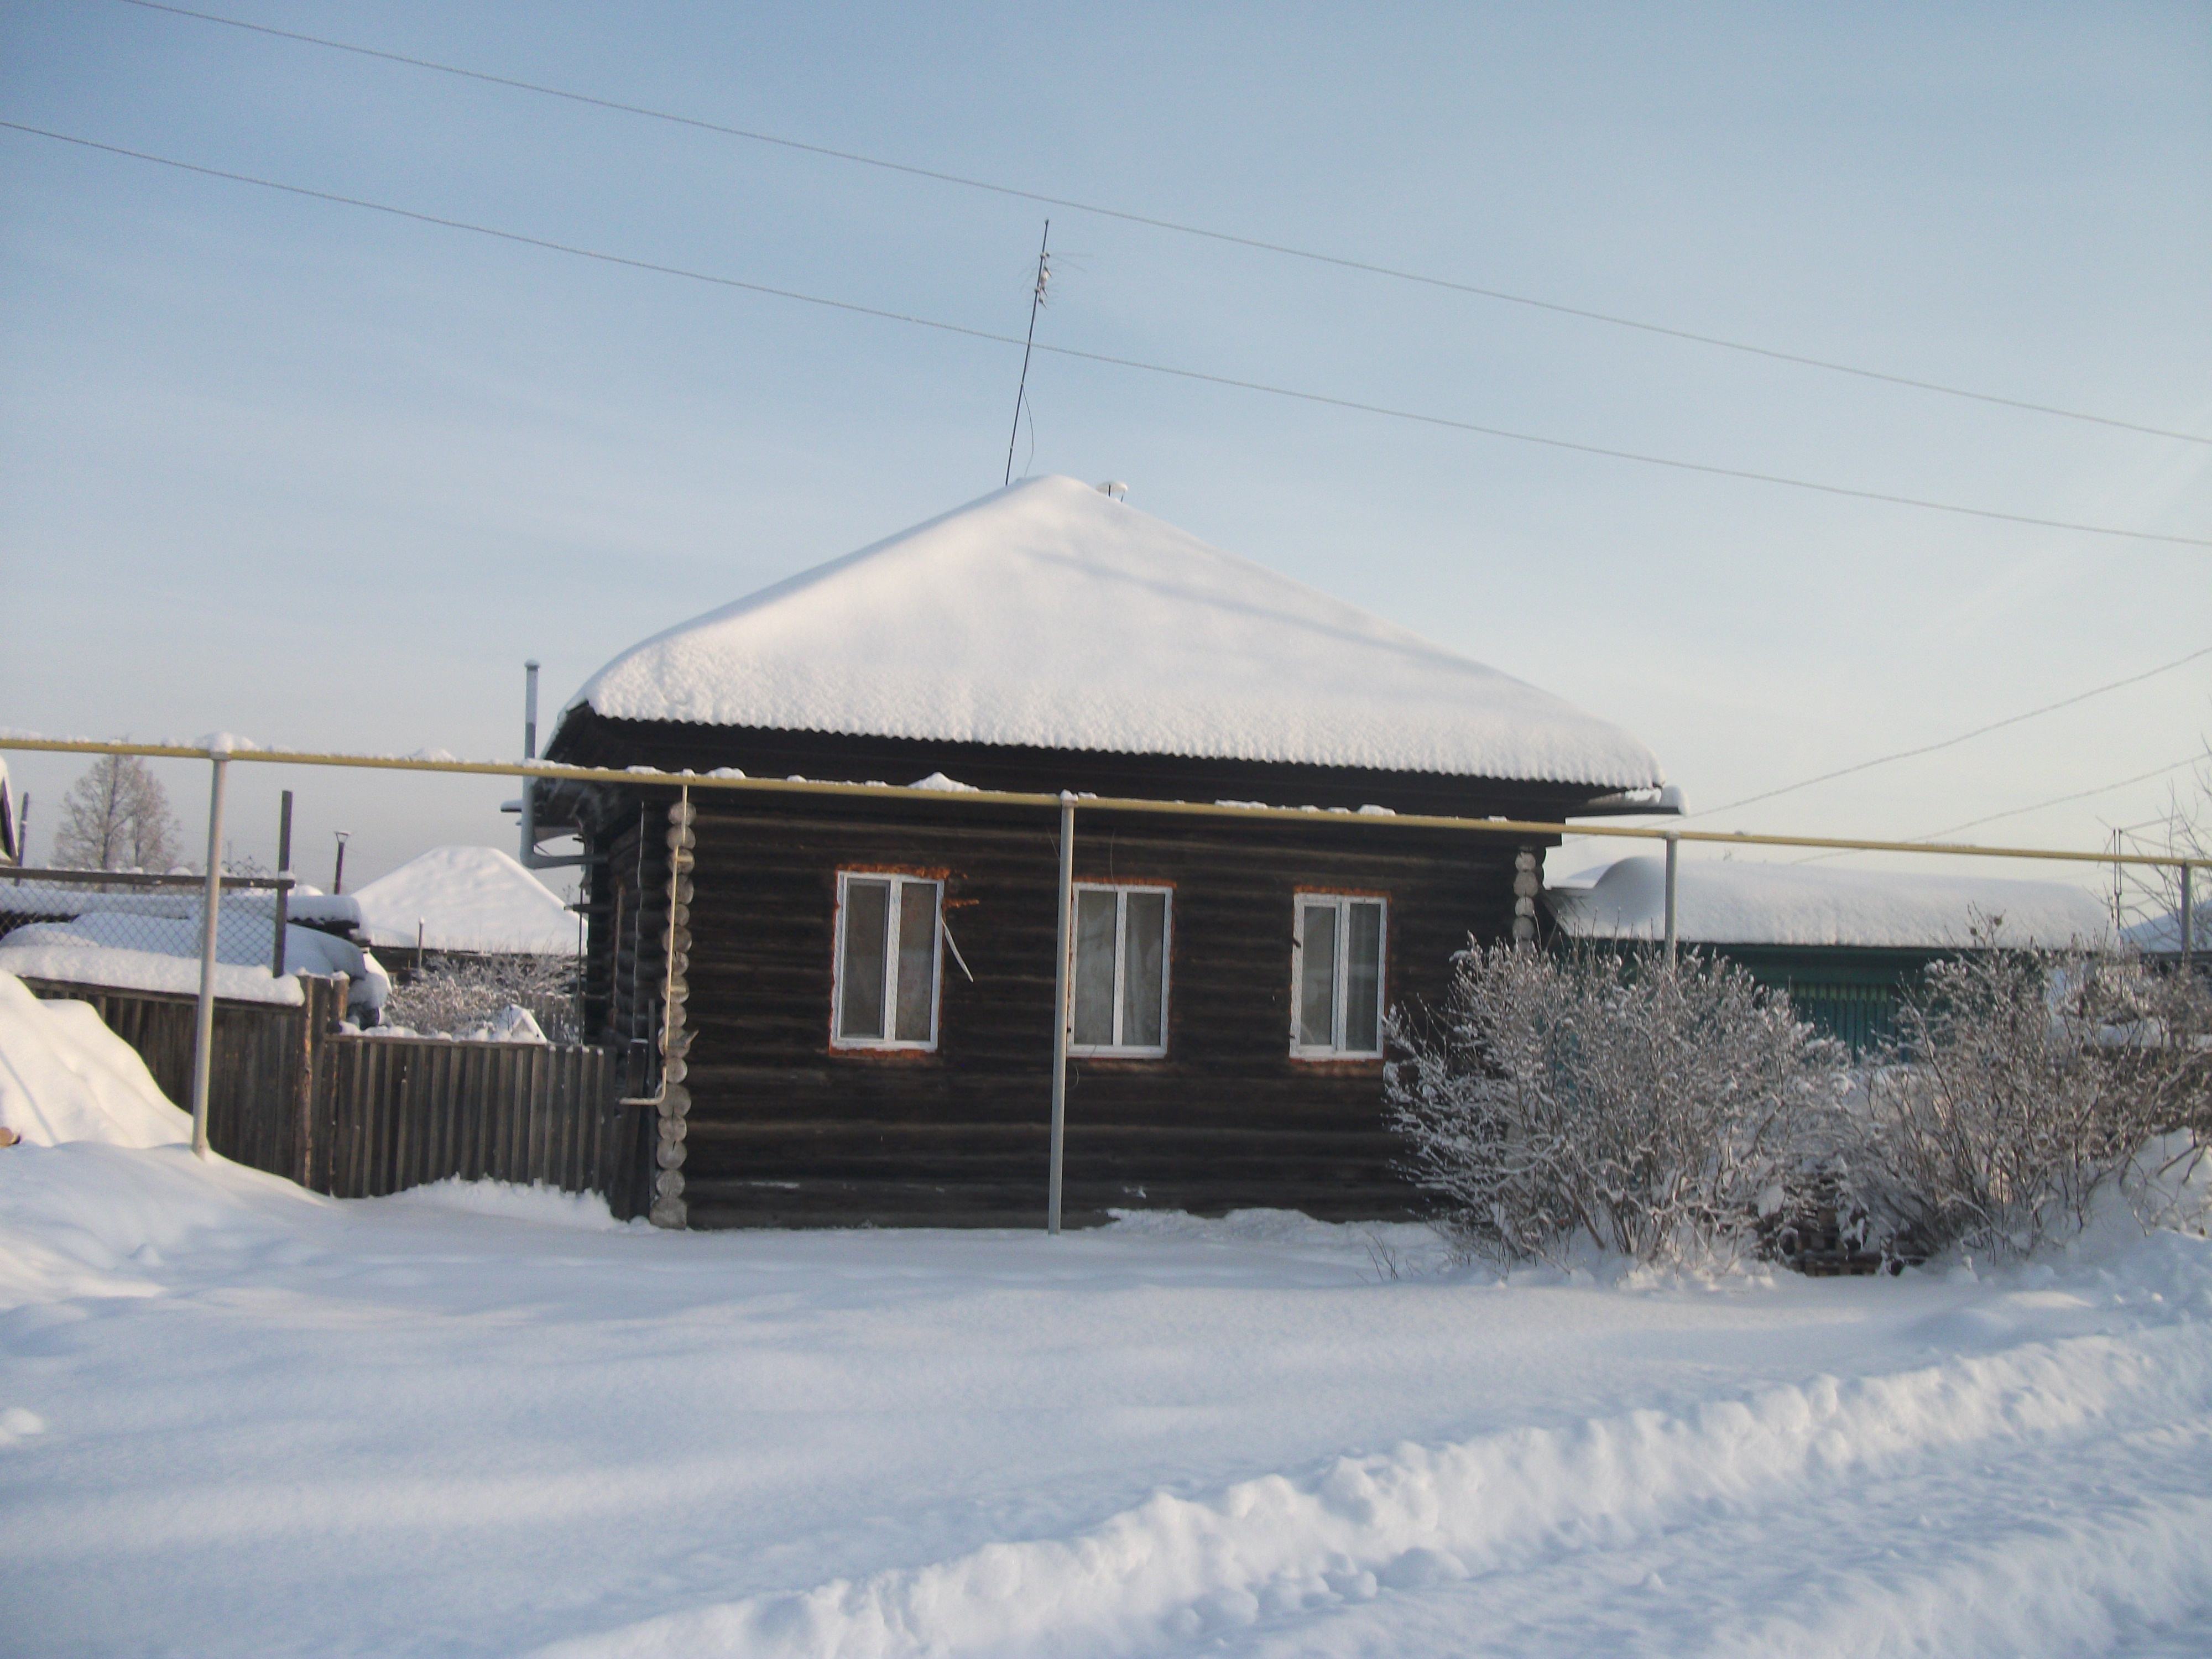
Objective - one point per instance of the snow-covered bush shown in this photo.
(1653, 1111)
(462, 995)
(2020, 1086)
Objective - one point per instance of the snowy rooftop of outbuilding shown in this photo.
(1048, 615)
(1728, 901)
(466, 898)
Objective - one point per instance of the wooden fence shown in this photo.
(359, 1116)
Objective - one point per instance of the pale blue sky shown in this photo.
(325, 479)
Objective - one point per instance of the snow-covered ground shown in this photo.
(238, 1419)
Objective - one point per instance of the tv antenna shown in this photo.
(1036, 303)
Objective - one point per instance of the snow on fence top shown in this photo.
(1050, 615)
(1727, 902)
(466, 898)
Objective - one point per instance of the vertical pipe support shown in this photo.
(2188, 919)
(1063, 936)
(211, 906)
(529, 753)
(1673, 861)
(283, 886)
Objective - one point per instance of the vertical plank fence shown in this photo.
(359, 1116)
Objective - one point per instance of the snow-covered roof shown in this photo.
(466, 898)
(2163, 933)
(1050, 615)
(1728, 901)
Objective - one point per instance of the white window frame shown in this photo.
(897, 878)
(1117, 1048)
(1342, 904)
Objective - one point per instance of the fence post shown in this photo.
(1674, 851)
(1060, 988)
(203, 1023)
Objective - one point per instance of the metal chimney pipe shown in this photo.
(529, 753)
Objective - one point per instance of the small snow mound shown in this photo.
(538, 1204)
(223, 742)
(512, 1023)
(938, 780)
(64, 1076)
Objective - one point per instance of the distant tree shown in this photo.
(117, 817)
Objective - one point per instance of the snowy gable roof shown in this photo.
(1048, 615)
(466, 898)
(1727, 902)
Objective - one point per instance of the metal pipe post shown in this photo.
(529, 815)
(1674, 851)
(1063, 936)
(211, 903)
(2188, 921)
(283, 893)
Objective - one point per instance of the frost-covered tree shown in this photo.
(116, 816)
(1653, 1110)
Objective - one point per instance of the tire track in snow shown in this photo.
(1173, 1570)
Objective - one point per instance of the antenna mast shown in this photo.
(1036, 299)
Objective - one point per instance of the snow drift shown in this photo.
(64, 1077)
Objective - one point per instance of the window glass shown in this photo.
(867, 917)
(1144, 967)
(1095, 928)
(1317, 976)
(1121, 970)
(1363, 978)
(917, 961)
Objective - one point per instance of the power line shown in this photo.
(1178, 226)
(1948, 742)
(1675, 462)
(2018, 812)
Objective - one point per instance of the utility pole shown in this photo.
(1036, 301)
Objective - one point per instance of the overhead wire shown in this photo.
(1178, 226)
(2196, 759)
(851, 307)
(1949, 743)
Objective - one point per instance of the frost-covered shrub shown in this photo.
(461, 995)
(1653, 1111)
(2020, 1086)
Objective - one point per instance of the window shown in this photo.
(887, 961)
(1336, 977)
(1121, 971)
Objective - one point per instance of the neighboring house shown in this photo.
(142, 939)
(1843, 943)
(871, 974)
(450, 902)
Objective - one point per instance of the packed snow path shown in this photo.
(239, 1419)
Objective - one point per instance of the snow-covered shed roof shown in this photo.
(1728, 901)
(2162, 934)
(466, 898)
(1048, 615)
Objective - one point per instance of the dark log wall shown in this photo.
(785, 1131)
(586, 738)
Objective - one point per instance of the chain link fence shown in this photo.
(150, 930)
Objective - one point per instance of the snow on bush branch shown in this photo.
(2020, 1086)
(1676, 1114)
(464, 996)
(1598, 1095)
